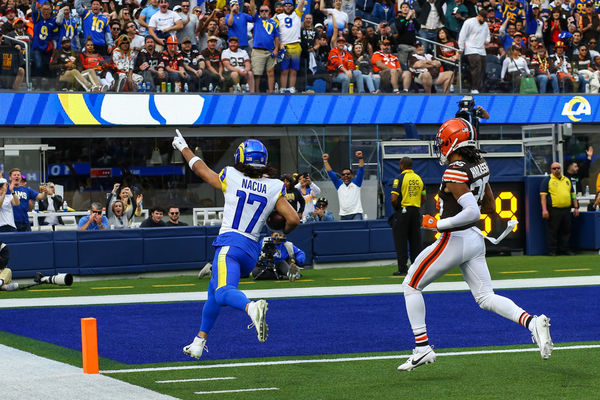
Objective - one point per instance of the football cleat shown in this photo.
(206, 270)
(196, 348)
(540, 334)
(258, 313)
(418, 358)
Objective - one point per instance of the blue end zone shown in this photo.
(153, 333)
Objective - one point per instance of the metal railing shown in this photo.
(27, 59)
(456, 64)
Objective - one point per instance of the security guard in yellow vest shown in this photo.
(408, 193)
(556, 209)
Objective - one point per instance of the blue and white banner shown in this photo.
(146, 109)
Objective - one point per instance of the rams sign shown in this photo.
(576, 107)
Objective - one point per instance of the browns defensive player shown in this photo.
(464, 190)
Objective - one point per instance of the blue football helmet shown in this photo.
(251, 152)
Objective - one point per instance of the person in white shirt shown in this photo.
(163, 24)
(341, 18)
(8, 199)
(516, 67)
(309, 191)
(473, 37)
(290, 22)
(348, 188)
(236, 66)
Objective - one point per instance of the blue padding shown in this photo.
(341, 242)
(30, 251)
(586, 231)
(110, 253)
(535, 239)
(381, 240)
(174, 249)
(355, 257)
(65, 254)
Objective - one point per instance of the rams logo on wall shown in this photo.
(133, 109)
(577, 106)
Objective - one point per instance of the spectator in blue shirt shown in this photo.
(69, 27)
(44, 32)
(237, 23)
(95, 221)
(25, 194)
(147, 13)
(95, 24)
(320, 213)
(265, 45)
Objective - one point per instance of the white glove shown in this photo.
(179, 142)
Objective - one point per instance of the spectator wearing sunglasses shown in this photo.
(348, 188)
(95, 221)
(174, 215)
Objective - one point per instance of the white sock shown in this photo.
(251, 308)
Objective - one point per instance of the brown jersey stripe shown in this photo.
(421, 269)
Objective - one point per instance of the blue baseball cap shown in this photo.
(286, 2)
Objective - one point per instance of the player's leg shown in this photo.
(430, 264)
(210, 312)
(477, 276)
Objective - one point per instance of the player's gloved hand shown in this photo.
(179, 142)
(429, 222)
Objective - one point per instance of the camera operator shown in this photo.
(5, 272)
(468, 111)
(279, 259)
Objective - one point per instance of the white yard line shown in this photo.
(342, 359)
(296, 292)
(27, 376)
(223, 378)
(237, 390)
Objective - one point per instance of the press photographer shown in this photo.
(468, 111)
(279, 259)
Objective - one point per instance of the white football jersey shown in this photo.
(248, 202)
(289, 27)
(236, 59)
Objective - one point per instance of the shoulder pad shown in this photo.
(457, 164)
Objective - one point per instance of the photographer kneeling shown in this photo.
(279, 259)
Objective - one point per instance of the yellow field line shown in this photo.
(247, 283)
(351, 279)
(518, 272)
(46, 290)
(302, 280)
(111, 287)
(572, 269)
(454, 275)
(181, 284)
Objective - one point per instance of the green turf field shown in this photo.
(508, 372)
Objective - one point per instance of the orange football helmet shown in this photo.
(172, 41)
(454, 134)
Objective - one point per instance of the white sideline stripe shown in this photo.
(342, 359)
(237, 390)
(27, 376)
(224, 378)
(296, 292)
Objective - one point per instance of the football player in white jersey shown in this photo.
(463, 191)
(249, 199)
(290, 23)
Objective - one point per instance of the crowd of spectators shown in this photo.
(361, 46)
